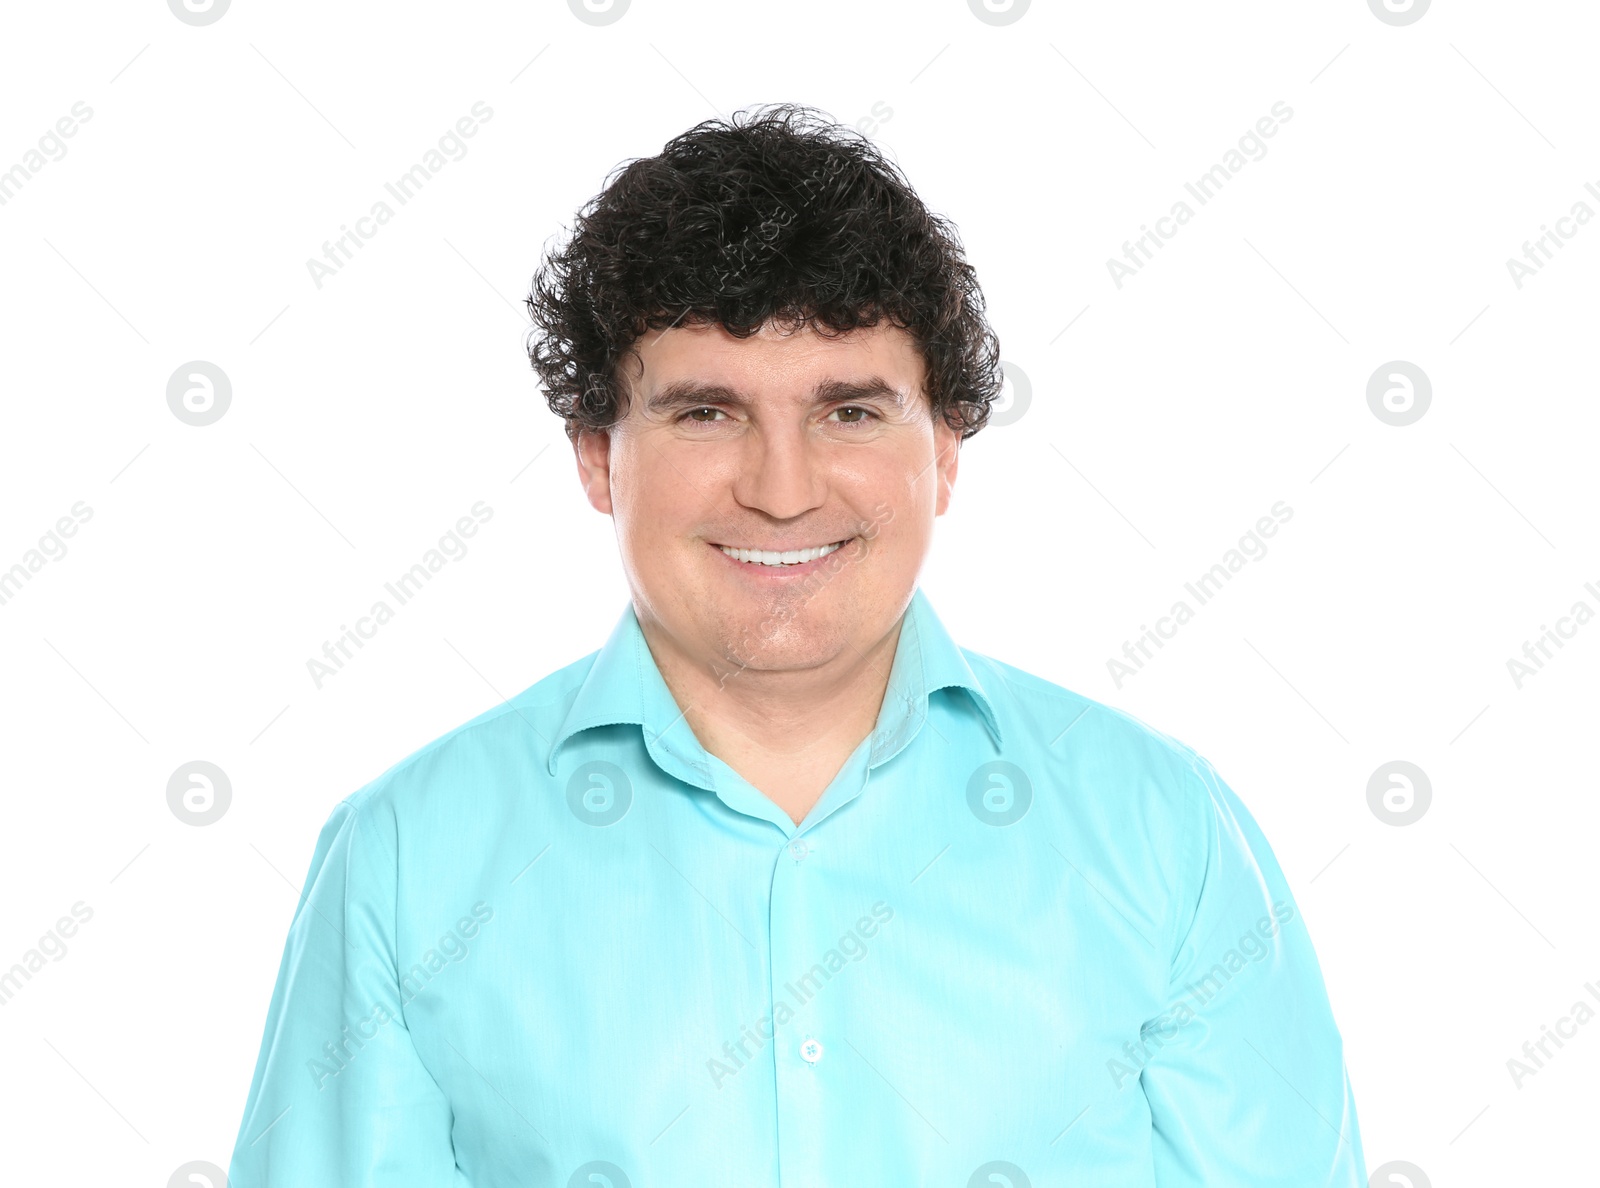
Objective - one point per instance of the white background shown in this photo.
(1166, 416)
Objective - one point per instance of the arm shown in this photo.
(340, 1096)
(1245, 1079)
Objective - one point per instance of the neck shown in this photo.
(786, 731)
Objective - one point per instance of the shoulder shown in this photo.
(1107, 751)
(1134, 809)
(491, 754)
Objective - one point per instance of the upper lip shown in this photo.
(779, 548)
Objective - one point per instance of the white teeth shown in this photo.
(789, 557)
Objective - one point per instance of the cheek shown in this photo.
(645, 488)
(626, 464)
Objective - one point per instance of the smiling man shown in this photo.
(781, 886)
(774, 499)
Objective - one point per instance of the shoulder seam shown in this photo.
(400, 766)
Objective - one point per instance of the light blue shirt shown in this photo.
(1021, 939)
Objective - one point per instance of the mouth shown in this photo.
(785, 561)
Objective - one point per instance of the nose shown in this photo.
(782, 472)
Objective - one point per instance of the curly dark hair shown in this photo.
(782, 215)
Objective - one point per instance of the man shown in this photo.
(781, 886)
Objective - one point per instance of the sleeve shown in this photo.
(340, 1096)
(1244, 1071)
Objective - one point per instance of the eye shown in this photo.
(693, 415)
(866, 413)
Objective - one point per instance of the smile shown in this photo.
(787, 557)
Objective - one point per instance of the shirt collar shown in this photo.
(624, 686)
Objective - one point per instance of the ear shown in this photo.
(592, 450)
(947, 444)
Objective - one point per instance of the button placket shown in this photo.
(798, 900)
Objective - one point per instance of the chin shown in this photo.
(765, 640)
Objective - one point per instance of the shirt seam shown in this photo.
(401, 766)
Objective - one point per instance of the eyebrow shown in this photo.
(687, 394)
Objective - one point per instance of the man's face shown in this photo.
(780, 442)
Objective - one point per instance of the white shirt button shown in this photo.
(799, 848)
(811, 1051)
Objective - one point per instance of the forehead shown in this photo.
(775, 363)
